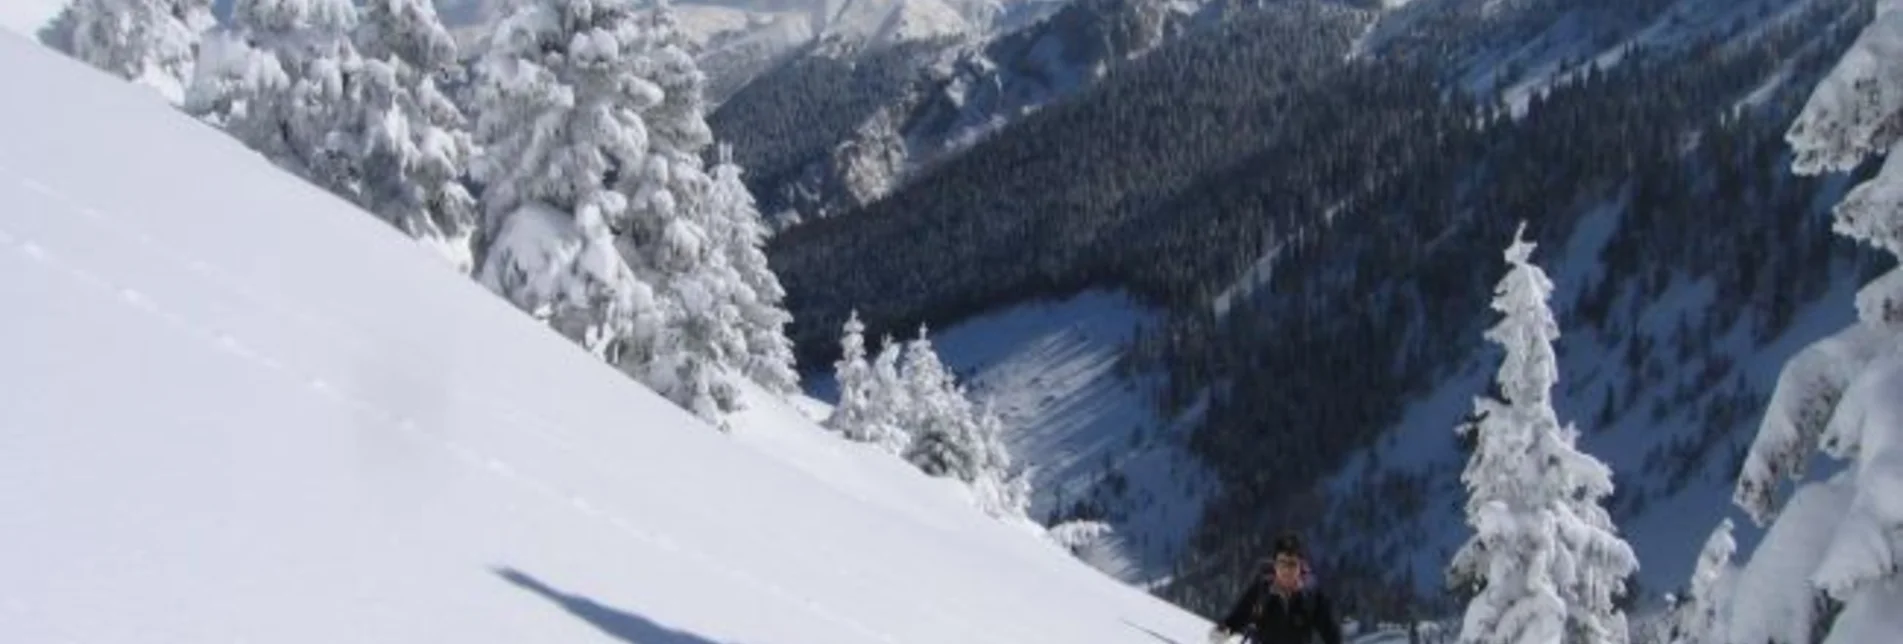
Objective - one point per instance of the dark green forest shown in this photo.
(1389, 194)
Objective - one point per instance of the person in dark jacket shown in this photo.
(1279, 607)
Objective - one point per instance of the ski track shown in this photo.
(320, 386)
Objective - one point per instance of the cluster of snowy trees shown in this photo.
(1546, 560)
(905, 401)
(569, 171)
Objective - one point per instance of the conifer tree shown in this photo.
(1547, 562)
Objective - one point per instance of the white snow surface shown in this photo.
(1051, 369)
(212, 430)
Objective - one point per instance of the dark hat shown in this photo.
(1288, 543)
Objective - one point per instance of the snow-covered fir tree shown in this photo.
(694, 357)
(558, 101)
(852, 416)
(603, 213)
(278, 82)
(1076, 535)
(742, 234)
(1695, 616)
(937, 413)
(953, 436)
(151, 42)
(1545, 558)
(890, 400)
(1838, 539)
(674, 241)
(408, 140)
(1002, 488)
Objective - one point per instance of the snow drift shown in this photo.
(237, 409)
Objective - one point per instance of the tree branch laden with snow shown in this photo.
(1842, 396)
(590, 107)
(152, 42)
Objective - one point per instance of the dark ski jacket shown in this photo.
(1269, 618)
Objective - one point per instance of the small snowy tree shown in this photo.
(1003, 490)
(742, 235)
(279, 83)
(1695, 617)
(1078, 534)
(948, 434)
(890, 401)
(1841, 538)
(1544, 555)
(558, 98)
(852, 417)
(151, 42)
(406, 139)
(939, 416)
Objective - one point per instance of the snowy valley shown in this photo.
(1643, 140)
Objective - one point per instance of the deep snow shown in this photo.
(237, 409)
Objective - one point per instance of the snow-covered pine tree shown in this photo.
(940, 417)
(742, 235)
(695, 356)
(150, 42)
(890, 400)
(1003, 490)
(408, 139)
(852, 417)
(701, 352)
(558, 102)
(1077, 534)
(1695, 617)
(1839, 538)
(1544, 556)
(278, 82)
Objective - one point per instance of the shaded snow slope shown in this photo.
(1090, 432)
(236, 409)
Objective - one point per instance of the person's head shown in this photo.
(1288, 562)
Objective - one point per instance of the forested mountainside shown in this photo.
(1021, 213)
(828, 131)
(1365, 200)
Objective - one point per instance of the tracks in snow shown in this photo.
(361, 344)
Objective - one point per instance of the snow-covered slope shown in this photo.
(1530, 48)
(1092, 432)
(236, 409)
